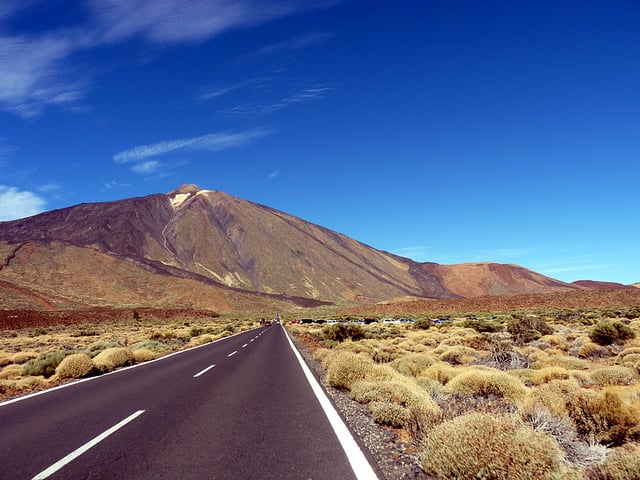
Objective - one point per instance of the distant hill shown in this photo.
(594, 285)
(206, 249)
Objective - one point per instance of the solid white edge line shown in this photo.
(203, 371)
(115, 372)
(79, 451)
(359, 463)
(232, 354)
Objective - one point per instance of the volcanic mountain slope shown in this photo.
(208, 244)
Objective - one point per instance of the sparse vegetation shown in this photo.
(608, 332)
(538, 398)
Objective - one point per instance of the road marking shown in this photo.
(253, 339)
(79, 451)
(359, 463)
(203, 371)
(245, 345)
(232, 354)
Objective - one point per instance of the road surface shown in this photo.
(239, 408)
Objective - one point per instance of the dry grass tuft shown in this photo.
(346, 368)
(622, 464)
(77, 365)
(459, 355)
(545, 375)
(615, 375)
(144, 355)
(487, 447)
(113, 358)
(388, 413)
(475, 382)
(11, 372)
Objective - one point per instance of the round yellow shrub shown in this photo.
(414, 364)
(77, 365)
(545, 375)
(144, 355)
(113, 358)
(442, 372)
(615, 375)
(475, 382)
(388, 413)
(482, 446)
(459, 355)
(346, 368)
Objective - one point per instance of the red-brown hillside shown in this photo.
(205, 249)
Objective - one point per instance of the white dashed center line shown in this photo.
(203, 371)
(243, 346)
(232, 354)
(79, 451)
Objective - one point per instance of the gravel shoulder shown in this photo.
(395, 456)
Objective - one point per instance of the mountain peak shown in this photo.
(186, 188)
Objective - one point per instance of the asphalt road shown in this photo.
(240, 408)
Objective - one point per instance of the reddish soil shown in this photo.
(557, 300)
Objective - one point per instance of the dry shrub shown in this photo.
(386, 354)
(5, 358)
(503, 356)
(414, 364)
(113, 358)
(603, 417)
(11, 372)
(388, 413)
(564, 361)
(615, 375)
(346, 368)
(22, 357)
(593, 350)
(487, 447)
(442, 372)
(422, 417)
(144, 355)
(77, 365)
(545, 375)
(324, 356)
(395, 391)
(196, 341)
(356, 347)
(23, 384)
(622, 464)
(459, 355)
(487, 383)
(551, 397)
(578, 453)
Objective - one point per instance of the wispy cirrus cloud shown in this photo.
(297, 43)
(258, 110)
(36, 69)
(142, 155)
(15, 203)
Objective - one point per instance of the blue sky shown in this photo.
(445, 131)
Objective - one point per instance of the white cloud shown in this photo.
(211, 142)
(32, 74)
(259, 110)
(304, 41)
(146, 167)
(35, 69)
(19, 204)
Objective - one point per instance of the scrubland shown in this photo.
(537, 394)
(44, 356)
